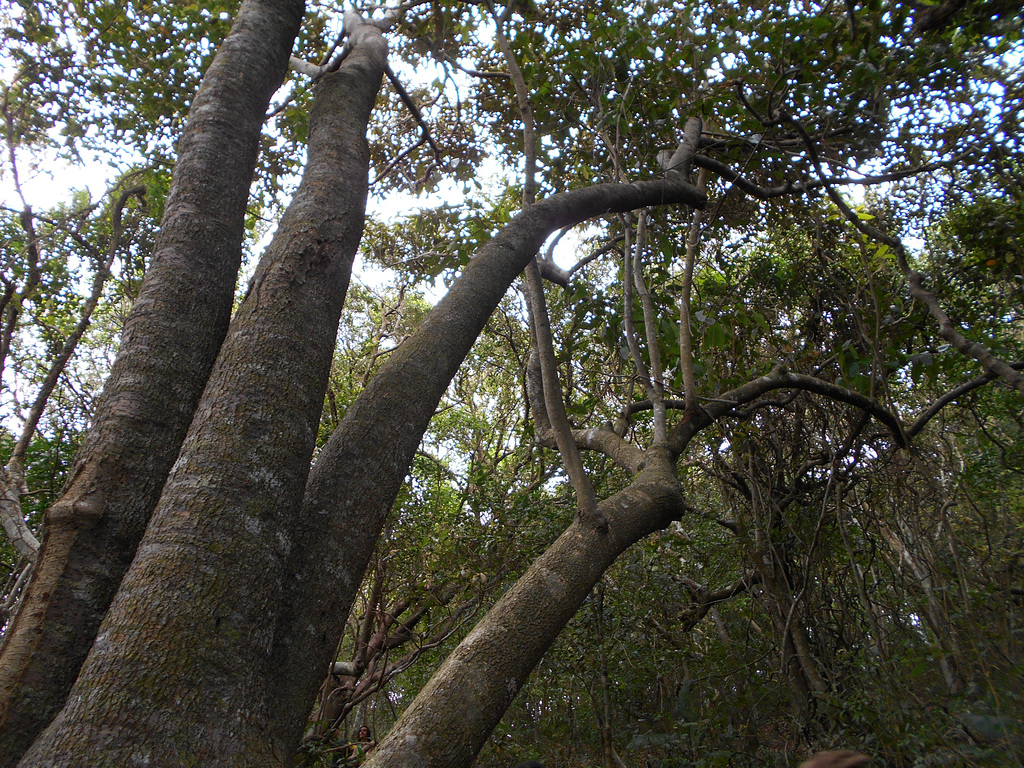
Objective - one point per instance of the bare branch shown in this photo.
(657, 388)
(598, 253)
(70, 344)
(471, 71)
(748, 187)
(12, 488)
(553, 402)
(523, 100)
(551, 271)
(304, 67)
(685, 314)
(682, 159)
(16, 584)
(627, 310)
(416, 114)
(780, 378)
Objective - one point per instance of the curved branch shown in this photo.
(683, 158)
(548, 269)
(598, 253)
(857, 400)
(604, 441)
(554, 273)
(780, 378)
(748, 187)
(954, 394)
(359, 471)
(708, 599)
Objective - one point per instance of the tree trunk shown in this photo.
(179, 671)
(182, 664)
(471, 691)
(168, 347)
(359, 472)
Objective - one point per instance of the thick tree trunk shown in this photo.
(168, 347)
(360, 470)
(471, 691)
(179, 670)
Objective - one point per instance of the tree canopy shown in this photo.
(635, 383)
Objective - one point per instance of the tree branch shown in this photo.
(628, 254)
(657, 385)
(683, 158)
(553, 402)
(915, 280)
(346, 502)
(780, 378)
(748, 187)
(954, 394)
(685, 315)
(417, 116)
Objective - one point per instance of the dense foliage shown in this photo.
(834, 581)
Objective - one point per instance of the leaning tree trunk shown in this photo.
(471, 691)
(168, 347)
(359, 472)
(181, 666)
(478, 681)
(179, 671)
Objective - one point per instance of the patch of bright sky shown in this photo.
(50, 180)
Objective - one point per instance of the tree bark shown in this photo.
(478, 681)
(168, 347)
(179, 672)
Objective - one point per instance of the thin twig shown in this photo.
(685, 308)
(414, 110)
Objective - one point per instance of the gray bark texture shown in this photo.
(169, 344)
(220, 634)
(179, 671)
